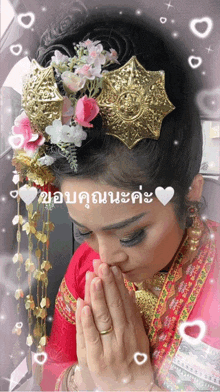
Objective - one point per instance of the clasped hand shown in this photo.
(109, 358)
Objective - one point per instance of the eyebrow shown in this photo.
(118, 225)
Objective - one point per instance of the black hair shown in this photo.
(172, 160)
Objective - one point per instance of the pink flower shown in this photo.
(88, 43)
(23, 135)
(95, 55)
(89, 72)
(86, 110)
(112, 56)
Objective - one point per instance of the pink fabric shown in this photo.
(61, 347)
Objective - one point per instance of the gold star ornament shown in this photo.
(41, 98)
(133, 103)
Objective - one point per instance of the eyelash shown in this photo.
(134, 240)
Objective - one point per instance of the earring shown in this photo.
(194, 231)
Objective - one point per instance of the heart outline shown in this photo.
(12, 47)
(205, 19)
(30, 24)
(142, 355)
(163, 20)
(11, 194)
(190, 339)
(39, 362)
(14, 137)
(194, 66)
(19, 324)
(27, 194)
(160, 193)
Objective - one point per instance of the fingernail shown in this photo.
(86, 311)
(98, 285)
(115, 270)
(87, 275)
(78, 303)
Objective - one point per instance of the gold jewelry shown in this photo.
(145, 299)
(68, 383)
(41, 99)
(157, 281)
(107, 331)
(195, 231)
(133, 103)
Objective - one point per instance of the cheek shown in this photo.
(158, 247)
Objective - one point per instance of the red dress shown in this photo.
(191, 292)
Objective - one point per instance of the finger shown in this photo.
(89, 276)
(96, 264)
(93, 341)
(80, 340)
(113, 297)
(129, 303)
(100, 309)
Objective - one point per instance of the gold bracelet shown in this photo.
(71, 385)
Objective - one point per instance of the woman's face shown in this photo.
(141, 238)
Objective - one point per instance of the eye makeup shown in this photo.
(131, 240)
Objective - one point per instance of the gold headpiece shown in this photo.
(41, 98)
(133, 103)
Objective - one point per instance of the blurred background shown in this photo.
(25, 24)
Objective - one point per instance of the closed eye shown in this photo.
(129, 241)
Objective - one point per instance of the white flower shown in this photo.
(89, 72)
(54, 131)
(59, 58)
(88, 43)
(112, 56)
(46, 160)
(95, 55)
(64, 133)
(74, 134)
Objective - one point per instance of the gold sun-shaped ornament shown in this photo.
(133, 103)
(41, 98)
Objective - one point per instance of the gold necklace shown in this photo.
(145, 299)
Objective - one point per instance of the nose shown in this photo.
(110, 250)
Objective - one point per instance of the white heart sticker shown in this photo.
(189, 339)
(19, 324)
(197, 61)
(27, 194)
(38, 358)
(140, 362)
(22, 20)
(14, 194)
(16, 141)
(16, 49)
(164, 195)
(163, 20)
(194, 22)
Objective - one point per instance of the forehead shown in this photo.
(98, 214)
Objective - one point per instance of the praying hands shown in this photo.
(109, 333)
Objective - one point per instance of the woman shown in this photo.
(160, 253)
